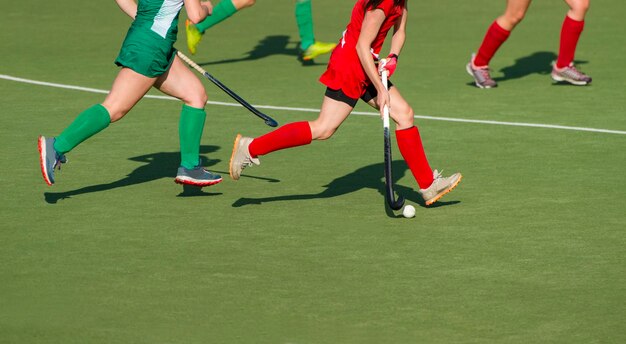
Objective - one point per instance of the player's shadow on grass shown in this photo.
(536, 63)
(367, 177)
(156, 166)
(268, 46)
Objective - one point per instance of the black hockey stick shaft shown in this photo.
(393, 203)
(268, 120)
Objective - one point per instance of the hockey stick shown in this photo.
(394, 203)
(268, 120)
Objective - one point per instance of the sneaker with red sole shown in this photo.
(197, 176)
(49, 158)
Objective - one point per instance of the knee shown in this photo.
(197, 99)
(404, 118)
(579, 8)
(511, 19)
(201, 100)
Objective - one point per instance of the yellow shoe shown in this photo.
(317, 49)
(193, 36)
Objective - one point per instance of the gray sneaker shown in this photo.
(439, 187)
(49, 159)
(241, 158)
(570, 74)
(481, 76)
(197, 176)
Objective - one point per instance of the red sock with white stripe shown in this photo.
(412, 150)
(289, 135)
(494, 38)
(570, 33)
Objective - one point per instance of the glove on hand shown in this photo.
(389, 64)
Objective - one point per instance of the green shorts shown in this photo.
(146, 52)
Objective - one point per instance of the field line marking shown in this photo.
(298, 109)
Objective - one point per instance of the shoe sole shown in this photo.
(195, 182)
(313, 56)
(573, 82)
(443, 193)
(41, 145)
(319, 53)
(469, 71)
(232, 155)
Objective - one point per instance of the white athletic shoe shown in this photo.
(439, 187)
(241, 158)
(570, 74)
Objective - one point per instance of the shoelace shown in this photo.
(247, 162)
(437, 174)
(484, 73)
(60, 159)
(574, 73)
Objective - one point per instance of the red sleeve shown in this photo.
(387, 6)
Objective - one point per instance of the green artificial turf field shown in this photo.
(528, 249)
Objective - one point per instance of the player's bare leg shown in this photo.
(332, 114)
(432, 184)
(497, 34)
(564, 69)
(127, 90)
(180, 82)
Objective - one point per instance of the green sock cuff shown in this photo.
(223, 10)
(87, 124)
(193, 110)
(103, 114)
(304, 19)
(190, 131)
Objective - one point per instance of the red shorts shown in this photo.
(346, 74)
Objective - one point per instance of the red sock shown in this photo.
(494, 38)
(570, 33)
(412, 151)
(289, 135)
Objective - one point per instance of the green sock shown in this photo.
(190, 131)
(304, 18)
(221, 11)
(88, 123)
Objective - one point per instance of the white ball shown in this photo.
(408, 211)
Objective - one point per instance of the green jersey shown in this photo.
(148, 48)
(159, 16)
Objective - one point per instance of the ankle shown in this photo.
(559, 67)
(474, 66)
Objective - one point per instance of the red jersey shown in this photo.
(344, 69)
